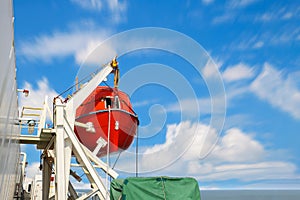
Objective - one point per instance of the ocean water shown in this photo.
(250, 194)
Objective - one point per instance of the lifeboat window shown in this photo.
(107, 102)
(116, 102)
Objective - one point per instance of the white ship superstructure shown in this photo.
(10, 168)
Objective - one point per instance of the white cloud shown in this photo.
(211, 68)
(265, 17)
(258, 45)
(278, 13)
(77, 43)
(179, 138)
(284, 36)
(116, 8)
(290, 33)
(271, 185)
(237, 155)
(287, 15)
(213, 104)
(239, 120)
(270, 85)
(174, 135)
(240, 3)
(235, 144)
(32, 170)
(246, 2)
(193, 108)
(82, 45)
(142, 103)
(252, 172)
(282, 93)
(234, 91)
(36, 96)
(246, 42)
(200, 106)
(231, 10)
(227, 17)
(206, 2)
(80, 185)
(238, 72)
(89, 4)
(93, 55)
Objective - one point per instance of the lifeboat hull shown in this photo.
(117, 126)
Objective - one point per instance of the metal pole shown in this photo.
(136, 154)
(60, 187)
(47, 171)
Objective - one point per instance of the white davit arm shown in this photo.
(89, 126)
(84, 92)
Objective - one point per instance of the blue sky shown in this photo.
(252, 49)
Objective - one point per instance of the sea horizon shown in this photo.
(250, 194)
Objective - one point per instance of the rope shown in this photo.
(122, 148)
(136, 154)
(89, 76)
(74, 85)
(108, 148)
(163, 187)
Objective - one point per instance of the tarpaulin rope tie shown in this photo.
(163, 187)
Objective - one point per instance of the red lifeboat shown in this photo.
(111, 113)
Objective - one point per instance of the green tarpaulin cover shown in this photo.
(154, 188)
